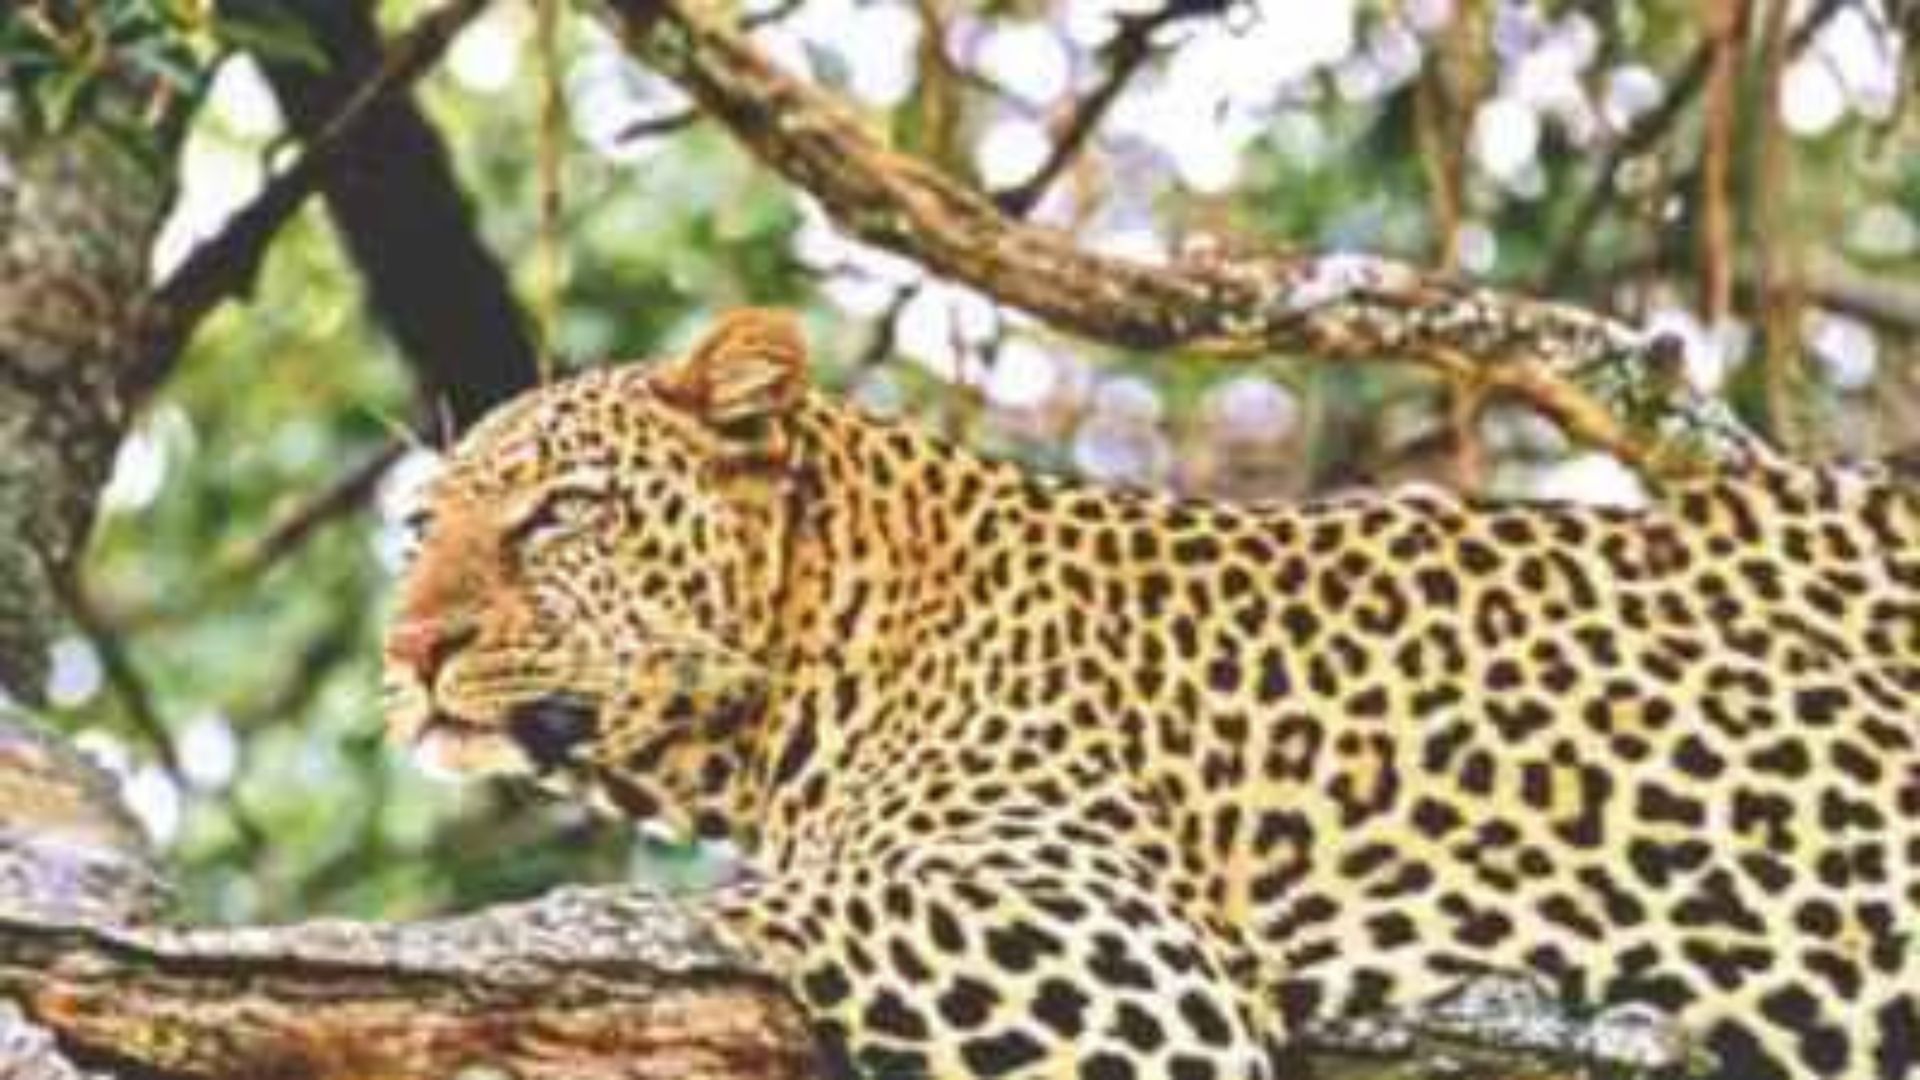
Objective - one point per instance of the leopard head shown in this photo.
(596, 578)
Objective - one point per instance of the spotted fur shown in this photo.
(1045, 779)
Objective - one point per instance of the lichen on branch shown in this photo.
(1609, 384)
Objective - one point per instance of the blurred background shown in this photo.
(1765, 209)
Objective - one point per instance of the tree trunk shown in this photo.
(78, 214)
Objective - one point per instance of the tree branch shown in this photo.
(343, 495)
(77, 213)
(1879, 298)
(1647, 129)
(129, 684)
(1132, 44)
(430, 280)
(226, 266)
(1608, 384)
(581, 985)
(585, 984)
(1828, 281)
(666, 123)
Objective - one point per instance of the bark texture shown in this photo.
(580, 984)
(77, 216)
(591, 984)
(68, 850)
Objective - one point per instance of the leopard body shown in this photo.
(1045, 779)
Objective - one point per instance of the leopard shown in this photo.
(1037, 777)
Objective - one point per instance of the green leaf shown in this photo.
(272, 35)
(64, 94)
(169, 66)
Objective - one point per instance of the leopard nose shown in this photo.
(549, 728)
(423, 645)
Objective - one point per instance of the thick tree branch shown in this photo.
(68, 850)
(391, 190)
(601, 983)
(76, 215)
(226, 266)
(581, 985)
(1609, 384)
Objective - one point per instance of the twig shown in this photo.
(282, 538)
(1610, 385)
(227, 265)
(1726, 21)
(1648, 128)
(935, 115)
(1434, 135)
(1779, 295)
(886, 331)
(779, 12)
(342, 496)
(1877, 298)
(135, 694)
(1130, 48)
(1826, 281)
(654, 126)
(1469, 457)
(123, 674)
(552, 131)
(1444, 95)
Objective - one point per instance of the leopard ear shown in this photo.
(751, 366)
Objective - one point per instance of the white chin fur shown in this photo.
(452, 755)
(660, 830)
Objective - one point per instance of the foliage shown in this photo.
(135, 68)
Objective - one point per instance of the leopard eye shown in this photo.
(416, 523)
(413, 527)
(558, 513)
